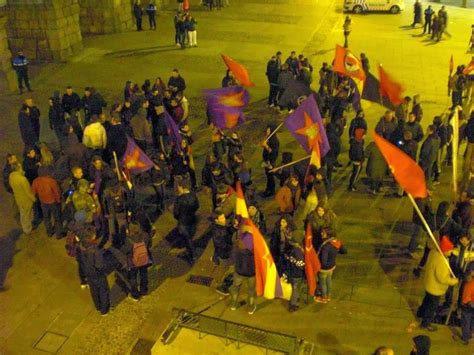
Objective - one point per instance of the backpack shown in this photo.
(140, 255)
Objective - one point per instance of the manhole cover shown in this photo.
(200, 280)
(50, 342)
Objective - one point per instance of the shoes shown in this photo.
(293, 308)
(233, 307)
(130, 297)
(290, 111)
(319, 299)
(252, 309)
(351, 188)
(430, 328)
(84, 286)
(222, 290)
(104, 314)
(271, 105)
(460, 340)
(436, 182)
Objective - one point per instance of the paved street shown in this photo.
(43, 307)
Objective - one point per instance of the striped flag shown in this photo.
(240, 205)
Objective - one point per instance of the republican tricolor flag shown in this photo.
(240, 204)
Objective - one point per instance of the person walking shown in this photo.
(151, 12)
(93, 265)
(138, 14)
(24, 197)
(429, 154)
(347, 27)
(184, 211)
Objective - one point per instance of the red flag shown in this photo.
(405, 170)
(311, 260)
(240, 72)
(186, 5)
(451, 65)
(390, 88)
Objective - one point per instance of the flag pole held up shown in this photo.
(275, 131)
(289, 164)
(430, 233)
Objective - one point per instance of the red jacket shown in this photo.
(468, 293)
(47, 190)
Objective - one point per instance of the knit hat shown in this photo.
(445, 244)
(422, 344)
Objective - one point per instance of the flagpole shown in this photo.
(116, 166)
(430, 233)
(289, 164)
(454, 144)
(275, 131)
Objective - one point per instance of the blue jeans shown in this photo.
(324, 282)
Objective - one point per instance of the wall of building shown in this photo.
(105, 16)
(47, 30)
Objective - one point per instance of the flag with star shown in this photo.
(135, 160)
(306, 125)
(267, 281)
(225, 106)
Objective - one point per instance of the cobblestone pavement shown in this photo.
(374, 294)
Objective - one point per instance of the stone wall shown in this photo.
(7, 73)
(46, 30)
(105, 16)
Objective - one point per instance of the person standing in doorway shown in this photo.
(20, 64)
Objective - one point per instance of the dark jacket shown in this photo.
(56, 116)
(93, 262)
(117, 140)
(410, 148)
(415, 129)
(294, 262)
(385, 128)
(376, 164)
(177, 83)
(244, 262)
(7, 169)
(137, 11)
(71, 102)
(29, 126)
(272, 73)
(185, 208)
(429, 150)
(222, 240)
(328, 253)
(426, 209)
(358, 122)
(274, 145)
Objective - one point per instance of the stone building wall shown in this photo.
(7, 73)
(105, 16)
(47, 30)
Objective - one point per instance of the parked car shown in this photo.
(359, 6)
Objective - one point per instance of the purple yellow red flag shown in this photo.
(311, 260)
(240, 204)
(406, 171)
(225, 106)
(306, 125)
(390, 88)
(134, 159)
(267, 281)
(240, 72)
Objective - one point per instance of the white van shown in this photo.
(359, 6)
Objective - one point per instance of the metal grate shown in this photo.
(241, 333)
(200, 280)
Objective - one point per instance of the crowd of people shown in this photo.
(434, 24)
(79, 190)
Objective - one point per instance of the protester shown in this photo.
(24, 197)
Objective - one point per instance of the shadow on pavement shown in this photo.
(142, 51)
(7, 253)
